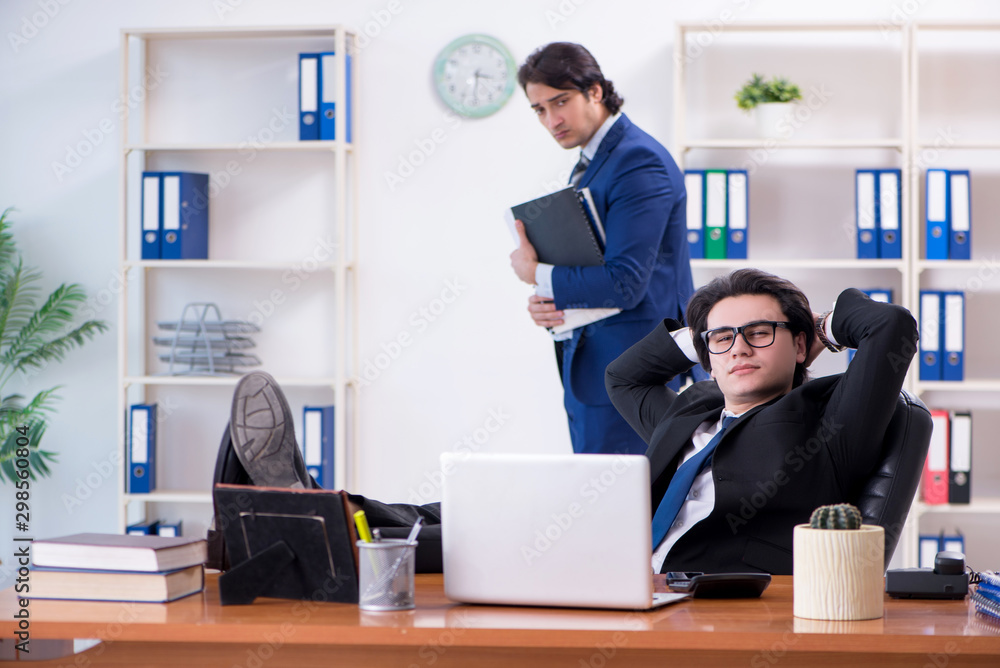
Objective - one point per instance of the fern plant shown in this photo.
(758, 91)
(32, 336)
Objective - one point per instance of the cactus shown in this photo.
(841, 516)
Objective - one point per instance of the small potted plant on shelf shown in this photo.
(838, 566)
(771, 101)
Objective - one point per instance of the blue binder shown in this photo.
(169, 529)
(308, 96)
(960, 240)
(151, 214)
(142, 449)
(890, 215)
(738, 199)
(937, 213)
(328, 93)
(694, 184)
(930, 335)
(866, 212)
(953, 335)
(317, 443)
(143, 528)
(185, 216)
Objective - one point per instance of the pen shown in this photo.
(362, 523)
(377, 535)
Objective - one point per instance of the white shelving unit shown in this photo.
(216, 84)
(903, 140)
(980, 392)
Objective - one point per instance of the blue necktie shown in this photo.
(681, 483)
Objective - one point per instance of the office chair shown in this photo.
(885, 499)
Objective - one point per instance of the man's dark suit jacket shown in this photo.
(816, 445)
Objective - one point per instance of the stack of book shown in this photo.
(112, 567)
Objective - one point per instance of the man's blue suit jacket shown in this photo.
(639, 195)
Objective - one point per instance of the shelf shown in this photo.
(171, 497)
(244, 32)
(727, 265)
(227, 264)
(956, 145)
(896, 144)
(223, 381)
(324, 145)
(762, 26)
(977, 506)
(956, 25)
(959, 386)
(922, 265)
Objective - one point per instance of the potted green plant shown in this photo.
(770, 102)
(837, 563)
(31, 336)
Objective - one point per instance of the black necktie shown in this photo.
(578, 170)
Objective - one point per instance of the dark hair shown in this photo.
(564, 65)
(793, 302)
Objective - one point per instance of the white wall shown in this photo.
(442, 223)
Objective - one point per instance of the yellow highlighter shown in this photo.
(362, 523)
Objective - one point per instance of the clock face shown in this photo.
(475, 75)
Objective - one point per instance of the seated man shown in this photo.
(757, 431)
(789, 445)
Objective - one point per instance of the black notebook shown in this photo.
(564, 228)
(312, 523)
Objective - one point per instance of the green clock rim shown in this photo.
(442, 57)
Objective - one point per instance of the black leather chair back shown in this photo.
(886, 497)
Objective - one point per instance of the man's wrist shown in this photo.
(821, 334)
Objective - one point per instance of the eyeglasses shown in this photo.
(758, 334)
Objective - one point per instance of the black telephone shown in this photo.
(719, 585)
(947, 580)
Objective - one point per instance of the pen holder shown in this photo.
(385, 575)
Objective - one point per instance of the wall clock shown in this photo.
(475, 75)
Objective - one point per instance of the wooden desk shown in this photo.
(196, 631)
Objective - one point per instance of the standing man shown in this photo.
(639, 195)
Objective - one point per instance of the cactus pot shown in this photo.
(838, 573)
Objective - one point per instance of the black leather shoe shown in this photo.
(263, 434)
(228, 471)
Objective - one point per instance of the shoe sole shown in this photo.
(263, 434)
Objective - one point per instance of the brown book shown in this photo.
(116, 552)
(91, 585)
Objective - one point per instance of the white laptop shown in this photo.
(554, 530)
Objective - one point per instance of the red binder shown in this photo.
(936, 468)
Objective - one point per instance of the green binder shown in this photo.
(716, 213)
